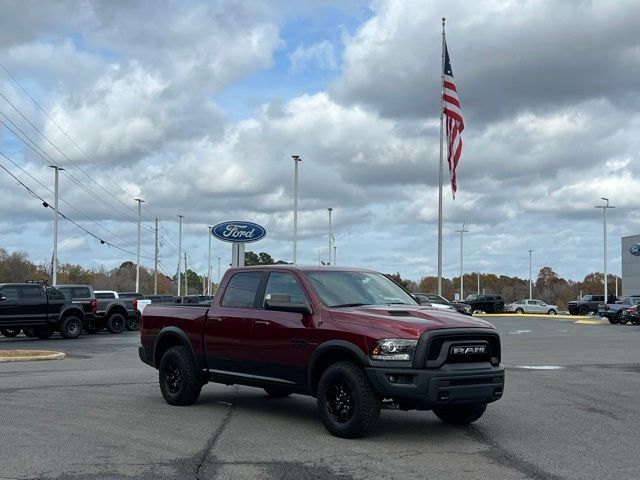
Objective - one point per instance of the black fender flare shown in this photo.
(71, 310)
(171, 333)
(340, 347)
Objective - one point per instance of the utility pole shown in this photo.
(155, 263)
(478, 283)
(296, 160)
(462, 231)
(138, 247)
(330, 235)
(186, 275)
(530, 283)
(604, 229)
(179, 250)
(54, 258)
(208, 289)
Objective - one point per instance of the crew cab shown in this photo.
(114, 313)
(352, 338)
(39, 310)
(613, 311)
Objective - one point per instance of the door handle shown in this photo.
(214, 319)
(262, 322)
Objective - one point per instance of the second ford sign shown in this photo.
(238, 232)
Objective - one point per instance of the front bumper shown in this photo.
(452, 384)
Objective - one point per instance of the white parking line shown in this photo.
(539, 367)
(519, 332)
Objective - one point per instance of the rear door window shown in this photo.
(31, 292)
(241, 290)
(11, 291)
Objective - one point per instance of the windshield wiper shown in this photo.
(349, 305)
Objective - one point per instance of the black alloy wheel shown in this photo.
(10, 332)
(90, 327)
(116, 323)
(180, 382)
(71, 327)
(133, 323)
(347, 403)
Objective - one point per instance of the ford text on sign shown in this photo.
(238, 232)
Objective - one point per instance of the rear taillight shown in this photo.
(93, 305)
(135, 304)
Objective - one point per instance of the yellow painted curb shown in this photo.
(29, 355)
(587, 321)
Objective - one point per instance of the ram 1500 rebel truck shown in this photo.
(352, 338)
(114, 313)
(39, 311)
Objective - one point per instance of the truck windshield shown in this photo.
(344, 289)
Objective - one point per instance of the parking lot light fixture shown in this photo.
(530, 283)
(604, 232)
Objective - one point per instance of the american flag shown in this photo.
(453, 116)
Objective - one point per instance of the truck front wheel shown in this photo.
(179, 381)
(10, 332)
(116, 323)
(71, 327)
(460, 415)
(583, 310)
(348, 405)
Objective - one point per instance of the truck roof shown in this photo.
(304, 268)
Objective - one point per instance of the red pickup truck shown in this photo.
(352, 338)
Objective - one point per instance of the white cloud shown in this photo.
(320, 54)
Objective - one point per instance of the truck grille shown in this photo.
(462, 348)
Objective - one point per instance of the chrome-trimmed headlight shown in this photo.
(394, 349)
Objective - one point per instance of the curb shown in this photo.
(29, 355)
(532, 315)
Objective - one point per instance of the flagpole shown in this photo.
(441, 165)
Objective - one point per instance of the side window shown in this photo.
(105, 295)
(53, 294)
(11, 291)
(285, 284)
(65, 292)
(241, 290)
(81, 292)
(31, 292)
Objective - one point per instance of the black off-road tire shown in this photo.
(277, 392)
(43, 332)
(71, 327)
(613, 320)
(498, 309)
(583, 310)
(133, 323)
(180, 382)
(621, 319)
(116, 323)
(10, 332)
(463, 415)
(361, 403)
(90, 327)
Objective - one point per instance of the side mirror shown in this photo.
(283, 303)
(2, 296)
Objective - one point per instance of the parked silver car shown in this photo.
(531, 306)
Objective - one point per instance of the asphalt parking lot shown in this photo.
(570, 411)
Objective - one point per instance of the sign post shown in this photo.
(238, 233)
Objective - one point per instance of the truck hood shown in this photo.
(405, 321)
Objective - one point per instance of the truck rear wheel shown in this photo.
(460, 415)
(90, 327)
(71, 327)
(621, 319)
(116, 323)
(133, 323)
(348, 405)
(179, 380)
(10, 332)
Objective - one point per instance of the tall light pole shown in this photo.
(462, 231)
(530, 283)
(208, 290)
(140, 202)
(296, 161)
(54, 258)
(604, 230)
(330, 234)
(179, 250)
(219, 258)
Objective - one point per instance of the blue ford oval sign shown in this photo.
(635, 250)
(238, 232)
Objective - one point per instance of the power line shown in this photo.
(47, 205)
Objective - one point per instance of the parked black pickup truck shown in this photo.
(588, 303)
(613, 311)
(39, 311)
(115, 313)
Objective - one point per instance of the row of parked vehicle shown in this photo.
(621, 311)
(40, 310)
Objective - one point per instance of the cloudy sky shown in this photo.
(197, 107)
